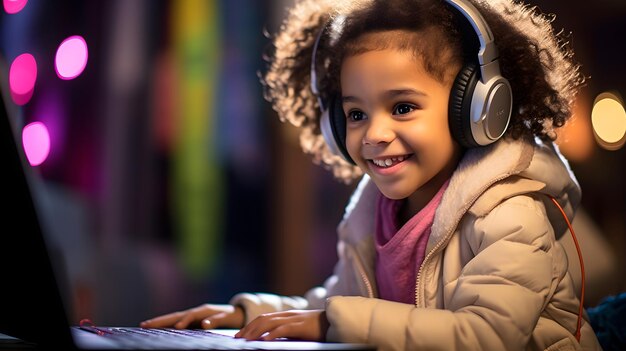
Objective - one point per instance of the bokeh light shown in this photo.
(22, 78)
(36, 141)
(575, 138)
(71, 57)
(14, 6)
(609, 121)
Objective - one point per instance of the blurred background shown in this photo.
(165, 180)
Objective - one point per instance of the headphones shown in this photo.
(480, 103)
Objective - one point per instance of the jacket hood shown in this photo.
(489, 175)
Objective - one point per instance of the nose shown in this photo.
(379, 131)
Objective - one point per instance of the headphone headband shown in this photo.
(488, 51)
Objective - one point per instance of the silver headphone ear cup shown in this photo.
(478, 114)
(498, 105)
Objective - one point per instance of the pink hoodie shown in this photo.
(400, 252)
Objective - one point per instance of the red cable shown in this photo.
(582, 269)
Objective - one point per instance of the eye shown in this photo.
(402, 109)
(355, 116)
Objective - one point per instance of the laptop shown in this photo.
(32, 310)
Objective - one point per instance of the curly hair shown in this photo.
(536, 60)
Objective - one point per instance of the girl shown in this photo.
(450, 240)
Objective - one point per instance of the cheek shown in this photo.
(432, 135)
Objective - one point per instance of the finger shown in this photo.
(255, 324)
(194, 316)
(249, 330)
(217, 320)
(184, 322)
(226, 319)
(260, 325)
(283, 331)
(162, 321)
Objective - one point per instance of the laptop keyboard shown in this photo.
(140, 338)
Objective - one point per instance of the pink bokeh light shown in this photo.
(22, 78)
(36, 141)
(71, 57)
(14, 6)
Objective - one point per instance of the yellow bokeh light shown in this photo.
(608, 119)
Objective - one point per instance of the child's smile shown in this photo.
(387, 164)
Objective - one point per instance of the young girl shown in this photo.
(450, 239)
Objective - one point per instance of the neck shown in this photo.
(422, 196)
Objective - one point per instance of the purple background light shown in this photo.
(50, 110)
(71, 57)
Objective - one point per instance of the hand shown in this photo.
(296, 324)
(205, 316)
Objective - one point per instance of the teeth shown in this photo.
(388, 162)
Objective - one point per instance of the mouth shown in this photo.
(388, 161)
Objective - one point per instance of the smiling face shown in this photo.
(397, 123)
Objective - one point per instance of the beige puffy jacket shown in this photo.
(494, 276)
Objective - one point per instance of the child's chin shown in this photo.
(393, 194)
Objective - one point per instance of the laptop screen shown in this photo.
(31, 303)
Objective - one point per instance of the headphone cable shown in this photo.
(582, 268)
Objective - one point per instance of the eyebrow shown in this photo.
(388, 94)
